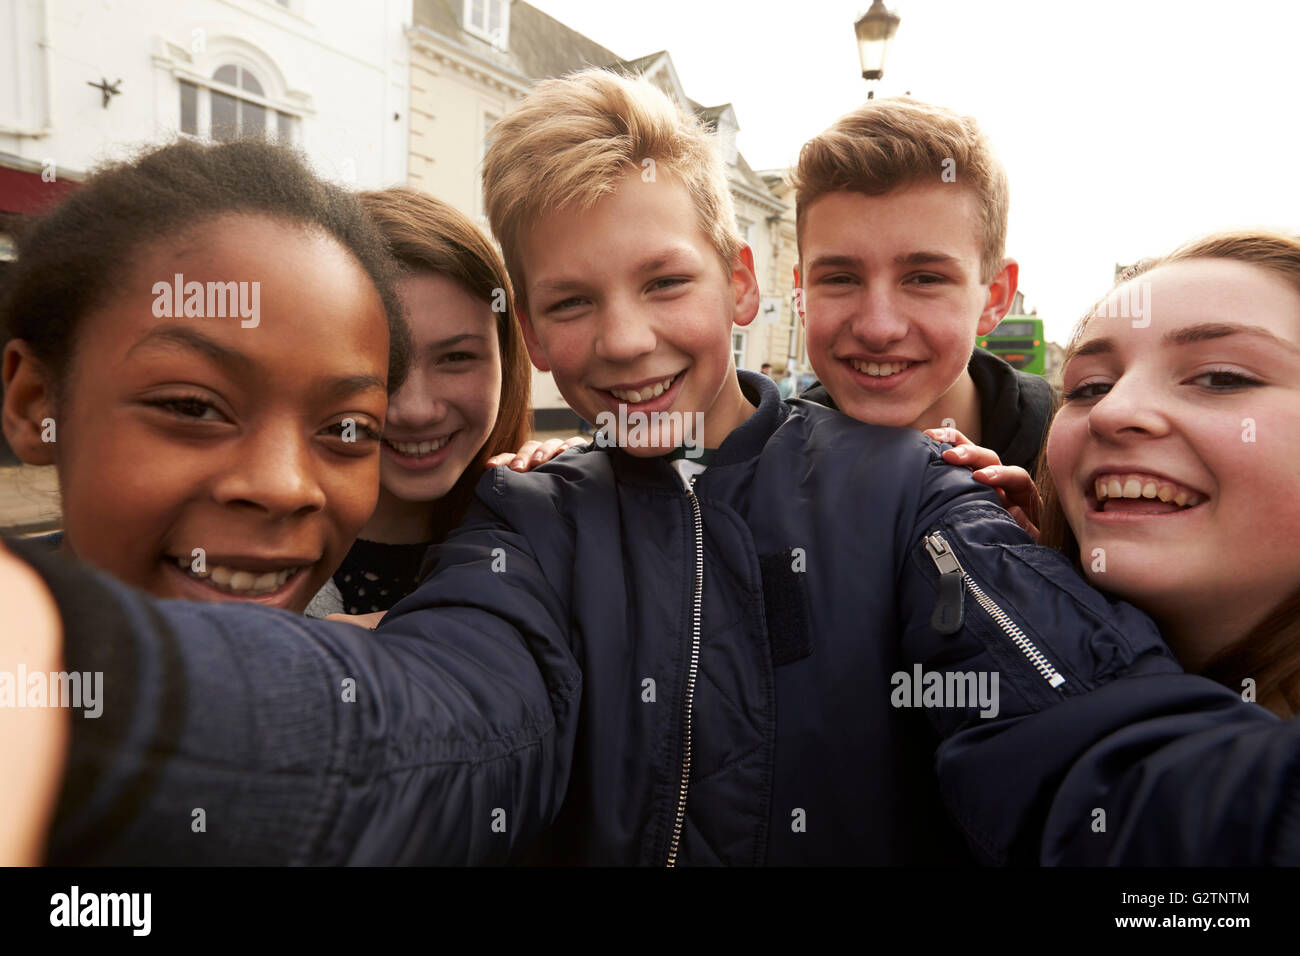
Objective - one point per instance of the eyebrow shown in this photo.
(1204, 332)
(236, 363)
(918, 258)
(453, 340)
(1218, 330)
(177, 337)
(351, 384)
(651, 263)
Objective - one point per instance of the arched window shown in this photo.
(237, 108)
(234, 117)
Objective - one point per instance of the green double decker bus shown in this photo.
(1018, 341)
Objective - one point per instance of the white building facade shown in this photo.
(83, 81)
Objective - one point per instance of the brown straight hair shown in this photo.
(899, 142)
(1269, 653)
(427, 235)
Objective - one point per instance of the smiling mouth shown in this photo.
(1136, 492)
(239, 582)
(881, 369)
(418, 449)
(646, 393)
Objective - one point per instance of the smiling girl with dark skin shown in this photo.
(232, 457)
(207, 457)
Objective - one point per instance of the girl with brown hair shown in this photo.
(1172, 471)
(466, 397)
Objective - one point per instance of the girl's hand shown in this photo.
(1012, 483)
(536, 453)
(33, 740)
(368, 621)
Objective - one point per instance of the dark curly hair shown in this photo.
(69, 259)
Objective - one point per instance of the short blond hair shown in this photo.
(894, 143)
(571, 140)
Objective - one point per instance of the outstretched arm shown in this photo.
(33, 740)
(238, 734)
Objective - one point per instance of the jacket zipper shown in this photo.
(948, 612)
(684, 785)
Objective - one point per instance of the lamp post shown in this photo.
(877, 26)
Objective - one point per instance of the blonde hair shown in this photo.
(894, 143)
(572, 139)
(1270, 653)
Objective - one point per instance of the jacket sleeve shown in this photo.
(237, 734)
(1101, 750)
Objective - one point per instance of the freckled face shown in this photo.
(257, 445)
(1204, 402)
(629, 305)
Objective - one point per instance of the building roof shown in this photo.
(541, 46)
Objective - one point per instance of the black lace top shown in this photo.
(374, 576)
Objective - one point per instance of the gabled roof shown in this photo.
(541, 46)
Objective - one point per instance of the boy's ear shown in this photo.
(744, 285)
(28, 415)
(1002, 292)
(798, 297)
(535, 353)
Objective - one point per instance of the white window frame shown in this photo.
(501, 37)
(746, 230)
(487, 117)
(206, 87)
(28, 60)
(739, 346)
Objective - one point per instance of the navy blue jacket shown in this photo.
(608, 667)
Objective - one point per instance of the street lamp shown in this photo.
(874, 31)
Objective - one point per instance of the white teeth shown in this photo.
(880, 369)
(634, 396)
(238, 581)
(1144, 486)
(416, 449)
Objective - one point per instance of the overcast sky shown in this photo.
(1126, 126)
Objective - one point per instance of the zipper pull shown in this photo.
(947, 616)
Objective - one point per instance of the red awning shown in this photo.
(27, 194)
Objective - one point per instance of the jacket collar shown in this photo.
(745, 442)
(748, 440)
